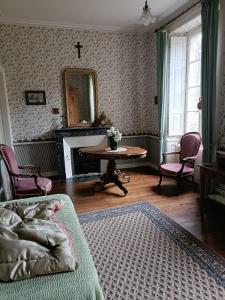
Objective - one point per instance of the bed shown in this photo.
(83, 284)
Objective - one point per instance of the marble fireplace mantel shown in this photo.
(69, 138)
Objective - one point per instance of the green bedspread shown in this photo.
(82, 284)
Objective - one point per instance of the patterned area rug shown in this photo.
(140, 253)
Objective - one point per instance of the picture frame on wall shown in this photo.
(35, 97)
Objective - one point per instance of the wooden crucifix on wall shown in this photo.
(78, 46)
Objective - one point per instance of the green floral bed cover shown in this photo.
(83, 284)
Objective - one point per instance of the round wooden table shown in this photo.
(113, 174)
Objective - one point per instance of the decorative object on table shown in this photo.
(119, 149)
(103, 120)
(35, 97)
(114, 136)
(150, 255)
(79, 47)
(146, 18)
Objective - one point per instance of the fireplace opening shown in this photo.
(84, 165)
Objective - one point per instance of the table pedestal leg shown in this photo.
(113, 175)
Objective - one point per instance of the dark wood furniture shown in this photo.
(24, 185)
(209, 171)
(113, 174)
(189, 146)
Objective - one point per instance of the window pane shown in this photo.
(193, 95)
(195, 47)
(192, 121)
(194, 74)
(177, 85)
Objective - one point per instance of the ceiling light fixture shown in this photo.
(146, 18)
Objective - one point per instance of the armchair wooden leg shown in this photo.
(178, 185)
(194, 183)
(44, 192)
(160, 178)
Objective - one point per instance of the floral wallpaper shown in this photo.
(34, 58)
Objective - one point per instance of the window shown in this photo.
(184, 84)
(193, 121)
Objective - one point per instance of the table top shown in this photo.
(106, 153)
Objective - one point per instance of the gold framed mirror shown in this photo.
(81, 97)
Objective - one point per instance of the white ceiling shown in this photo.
(89, 14)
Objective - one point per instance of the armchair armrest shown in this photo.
(30, 167)
(27, 166)
(171, 153)
(186, 159)
(23, 175)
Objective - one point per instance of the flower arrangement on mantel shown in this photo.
(114, 136)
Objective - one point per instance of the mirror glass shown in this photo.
(81, 97)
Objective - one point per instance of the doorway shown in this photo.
(2, 135)
(5, 136)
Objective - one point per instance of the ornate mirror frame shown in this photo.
(80, 71)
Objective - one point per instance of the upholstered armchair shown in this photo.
(24, 184)
(189, 146)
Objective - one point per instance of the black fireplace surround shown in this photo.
(60, 134)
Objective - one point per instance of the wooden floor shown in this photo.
(183, 209)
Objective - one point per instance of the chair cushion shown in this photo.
(27, 185)
(171, 169)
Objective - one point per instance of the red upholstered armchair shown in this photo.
(189, 146)
(24, 184)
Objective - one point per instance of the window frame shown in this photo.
(193, 32)
(190, 34)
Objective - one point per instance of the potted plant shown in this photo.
(114, 136)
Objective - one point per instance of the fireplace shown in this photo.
(69, 140)
(84, 165)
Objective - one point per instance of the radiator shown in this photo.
(148, 142)
(44, 154)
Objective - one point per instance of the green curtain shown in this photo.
(210, 16)
(162, 78)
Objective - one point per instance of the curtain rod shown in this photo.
(175, 18)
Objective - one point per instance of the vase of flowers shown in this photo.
(114, 136)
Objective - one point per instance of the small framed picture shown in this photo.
(35, 97)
